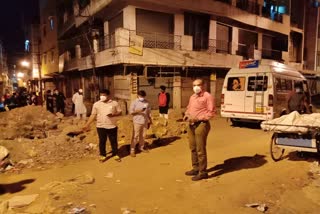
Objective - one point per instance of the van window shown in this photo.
(258, 83)
(283, 85)
(236, 83)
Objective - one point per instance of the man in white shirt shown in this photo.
(79, 108)
(105, 110)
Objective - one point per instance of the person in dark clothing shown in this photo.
(163, 101)
(298, 100)
(60, 98)
(34, 99)
(49, 101)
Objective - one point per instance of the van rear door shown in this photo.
(235, 94)
(255, 93)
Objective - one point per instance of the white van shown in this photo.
(258, 90)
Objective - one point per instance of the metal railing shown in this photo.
(278, 17)
(106, 42)
(271, 54)
(159, 40)
(249, 6)
(219, 46)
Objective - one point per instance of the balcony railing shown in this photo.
(107, 42)
(251, 7)
(219, 46)
(271, 54)
(158, 40)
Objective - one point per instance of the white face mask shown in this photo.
(196, 89)
(298, 90)
(141, 98)
(103, 98)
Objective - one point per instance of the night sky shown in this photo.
(15, 16)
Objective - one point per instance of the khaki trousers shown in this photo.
(138, 135)
(198, 134)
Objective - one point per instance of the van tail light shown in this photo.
(222, 99)
(270, 100)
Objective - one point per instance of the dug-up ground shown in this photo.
(48, 165)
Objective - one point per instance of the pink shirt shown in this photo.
(201, 107)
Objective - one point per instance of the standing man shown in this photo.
(105, 110)
(79, 108)
(60, 98)
(164, 100)
(200, 110)
(73, 107)
(49, 101)
(141, 111)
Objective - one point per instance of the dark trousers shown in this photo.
(113, 138)
(198, 134)
(60, 108)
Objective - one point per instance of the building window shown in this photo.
(44, 31)
(52, 57)
(51, 22)
(236, 83)
(45, 58)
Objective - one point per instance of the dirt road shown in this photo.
(240, 168)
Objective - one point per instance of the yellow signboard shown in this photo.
(136, 45)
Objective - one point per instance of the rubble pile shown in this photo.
(36, 137)
(27, 122)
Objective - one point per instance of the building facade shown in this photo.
(5, 83)
(132, 45)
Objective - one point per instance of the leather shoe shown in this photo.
(199, 177)
(192, 172)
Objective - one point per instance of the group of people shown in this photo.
(18, 99)
(55, 99)
(200, 110)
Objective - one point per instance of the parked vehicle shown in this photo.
(259, 90)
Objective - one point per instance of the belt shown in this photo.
(198, 122)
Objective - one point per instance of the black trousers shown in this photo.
(113, 138)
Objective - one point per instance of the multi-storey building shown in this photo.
(5, 83)
(130, 45)
(48, 49)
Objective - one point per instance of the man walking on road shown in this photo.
(105, 110)
(200, 110)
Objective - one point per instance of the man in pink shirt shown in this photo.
(200, 110)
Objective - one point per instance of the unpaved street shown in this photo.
(240, 168)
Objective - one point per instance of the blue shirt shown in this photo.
(143, 117)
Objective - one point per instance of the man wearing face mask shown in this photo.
(199, 111)
(298, 100)
(141, 111)
(105, 110)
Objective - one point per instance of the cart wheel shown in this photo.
(275, 151)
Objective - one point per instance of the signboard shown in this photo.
(249, 64)
(136, 45)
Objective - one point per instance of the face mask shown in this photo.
(103, 98)
(298, 90)
(196, 89)
(141, 98)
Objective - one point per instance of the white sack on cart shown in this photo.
(293, 122)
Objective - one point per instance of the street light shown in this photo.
(25, 63)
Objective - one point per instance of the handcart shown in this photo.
(308, 141)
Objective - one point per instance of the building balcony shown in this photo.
(251, 7)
